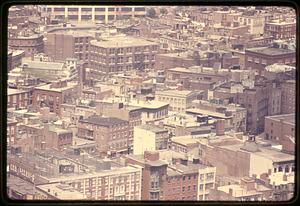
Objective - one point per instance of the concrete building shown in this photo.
(81, 13)
(281, 29)
(17, 98)
(54, 94)
(91, 179)
(247, 190)
(258, 58)
(288, 97)
(12, 130)
(62, 44)
(178, 100)
(30, 43)
(111, 134)
(149, 137)
(122, 53)
(281, 129)
(255, 23)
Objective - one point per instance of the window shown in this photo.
(72, 9)
(86, 9)
(59, 9)
(99, 9)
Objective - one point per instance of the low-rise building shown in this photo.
(281, 129)
(178, 100)
(149, 137)
(110, 133)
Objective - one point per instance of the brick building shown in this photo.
(54, 94)
(30, 43)
(281, 129)
(110, 133)
(149, 137)
(11, 132)
(178, 100)
(17, 98)
(288, 97)
(79, 13)
(117, 54)
(281, 29)
(61, 44)
(258, 58)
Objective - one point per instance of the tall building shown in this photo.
(83, 13)
(116, 54)
(110, 133)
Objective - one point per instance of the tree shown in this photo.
(163, 11)
(151, 13)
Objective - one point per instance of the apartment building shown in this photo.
(149, 137)
(84, 13)
(110, 133)
(17, 98)
(62, 44)
(179, 101)
(54, 94)
(107, 181)
(281, 129)
(258, 58)
(28, 42)
(288, 97)
(121, 53)
(281, 29)
(256, 24)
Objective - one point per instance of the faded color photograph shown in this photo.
(183, 103)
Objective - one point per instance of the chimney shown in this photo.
(151, 155)
(269, 171)
(220, 127)
(284, 177)
(248, 183)
(230, 191)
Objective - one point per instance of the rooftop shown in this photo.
(14, 91)
(121, 41)
(238, 191)
(70, 85)
(286, 118)
(43, 65)
(103, 121)
(61, 191)
(152, 128)
(180, 93)
(270, 51)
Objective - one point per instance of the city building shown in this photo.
(80, 13)
(110, 133)
(281, 129)
(179, 101)
(53, 95)
(281, 29)
(149, 137)
(28, 42)
(288, 95)
(258, 58)
(17, 98)
(62, 44)
(121, 53)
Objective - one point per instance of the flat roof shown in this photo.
(271, 51)
(102, 121)
(152, 128)
(287, 118)
(238, 191)
(174, 92)
(43, 65)
(209, 113)
(61, 191)
(121, 41)
(185, 140)
(14, 91)
(47, 87)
